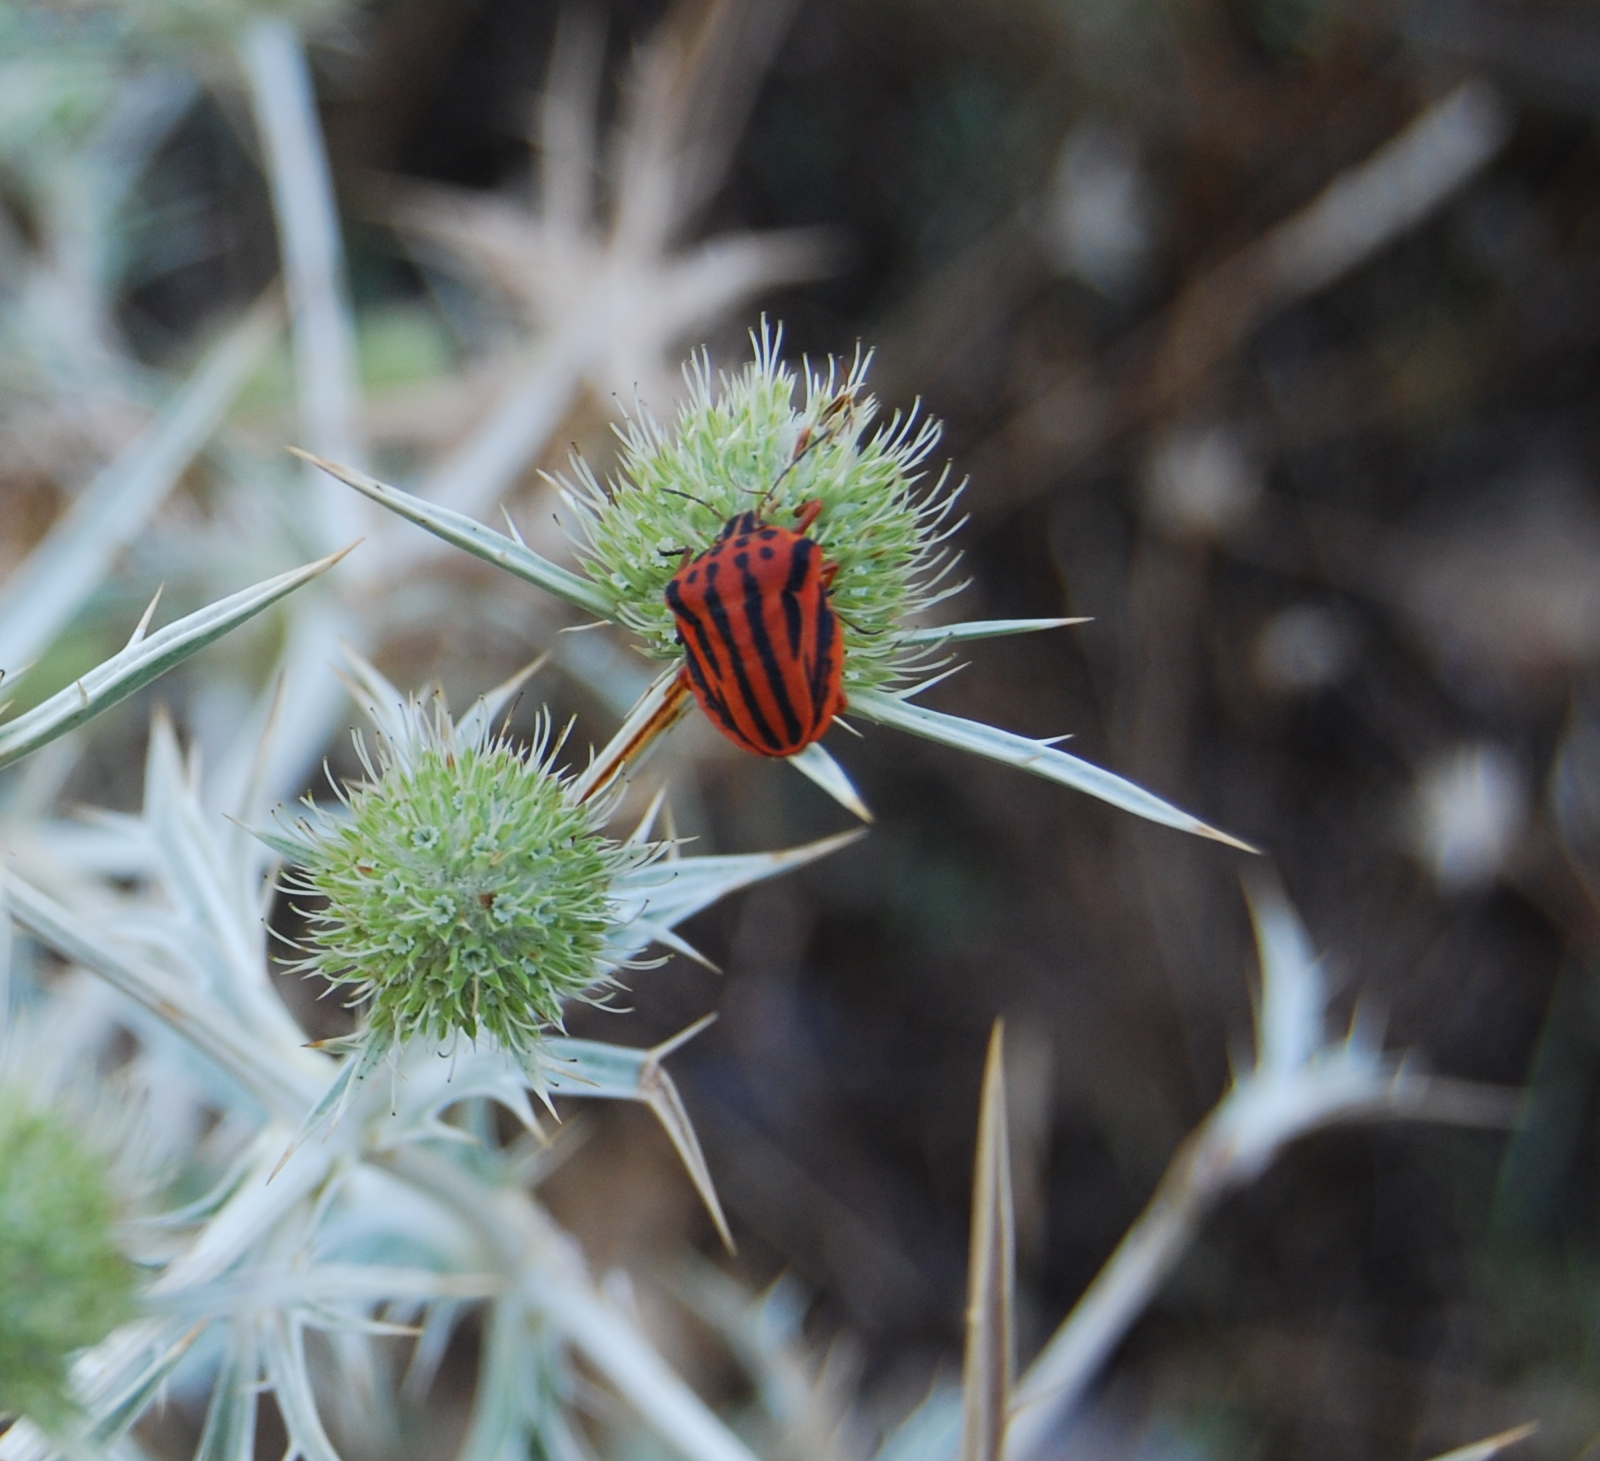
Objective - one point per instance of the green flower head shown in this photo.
(465, 890)
(742, 443)
(64, 1282)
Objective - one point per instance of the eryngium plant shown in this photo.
(465, 889)
(64, 1282)
(387, 1216)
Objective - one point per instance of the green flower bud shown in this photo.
(747, 446)
(64, 1282)
(465, 892)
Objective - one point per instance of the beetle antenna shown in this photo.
(676, 492)
(809, 440)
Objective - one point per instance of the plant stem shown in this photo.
(549, 1274)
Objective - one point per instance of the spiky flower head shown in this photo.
(465, 890)
(64, 1282)
(742, 442)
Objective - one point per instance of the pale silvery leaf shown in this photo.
(614, 1072)
(468, 533)
(376, 1218)
(818, 766)
(1290, 1017)
(342, 1089)
(120, 1407)
(284, 1087)
(283, 1351)
(145, 658)
(479, 719)
(631, 1363)
(310, 245)
(230, 1430)
(438, 1327)
(226, 938)
(981, 629)
(988, 1362)
(933, 1429)
(265, 1199)
(1490, 1445)
(1032, 756)
(498, 1413)
(1291, 1091)
(384, 705)
(667, 892)
(326, 1285)
(427, 1085)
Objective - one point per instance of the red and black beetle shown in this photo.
(765, 658)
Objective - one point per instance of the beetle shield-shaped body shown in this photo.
(761, 637)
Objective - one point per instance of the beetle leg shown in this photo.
(807, 513)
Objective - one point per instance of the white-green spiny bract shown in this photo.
(64, 1283)
(744, 444)
(464, 891)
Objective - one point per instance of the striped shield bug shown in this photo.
(764, 654)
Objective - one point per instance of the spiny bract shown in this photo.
(465, 890)
(742, 444)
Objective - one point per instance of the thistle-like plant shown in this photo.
(468, 889)
(742, 441)
(464, 889)
(65, 1284)
(415, 1204)
(1303, 1078)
